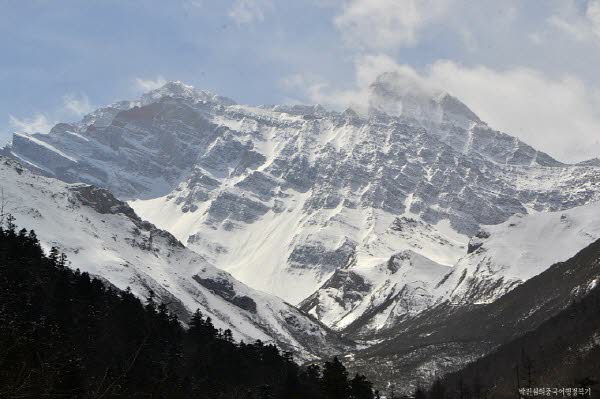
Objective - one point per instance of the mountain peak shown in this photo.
(453, 106)
(178, 89)
(407, 95)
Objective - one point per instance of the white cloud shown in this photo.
(593, 15)
(298, 81)
(367, 69)
(536, 38)
(194, 3)
(77, 105)
(575, 29)
(386, 24)
(558, 115)
(73, 107)
(582, 25)
(150, 84)
(39, 123)
(245, 12)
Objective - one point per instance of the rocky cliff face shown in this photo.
(287, 197)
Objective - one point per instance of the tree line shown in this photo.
(65, 334)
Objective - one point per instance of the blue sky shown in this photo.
(527, 67)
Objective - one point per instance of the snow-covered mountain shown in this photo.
(371, 297)
(503, 256)
(292, 198)
(445, 337)
(104, 236)
(365, 300)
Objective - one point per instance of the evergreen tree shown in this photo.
(10, 225)
(62, 260)
(335, 380)
(53, 255)
(196, 322)
(71, 336)
(361, 388)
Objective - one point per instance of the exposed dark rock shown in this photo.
(225, 290)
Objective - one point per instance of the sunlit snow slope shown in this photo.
(505, 255)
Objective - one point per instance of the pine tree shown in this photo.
(10, 226)
(33, 240)
(196, 322)
(62, 260)
(313, 372)
(335, 380)
(71, 336)
(53, 255)
(361, 388)
(150, 302)
(228, 335)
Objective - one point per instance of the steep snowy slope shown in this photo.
(283, 196)
(105, 237)
(366, 297)
(503, 256)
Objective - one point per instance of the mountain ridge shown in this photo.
(284, 196)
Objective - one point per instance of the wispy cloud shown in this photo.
(559, 115)
(77, 105)
(149, 84)
(245, 12)
(193, 3)
(39, 123)
(358, 97)
(386, 24)
(582, 25)
(74, 106)
(593, 15)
